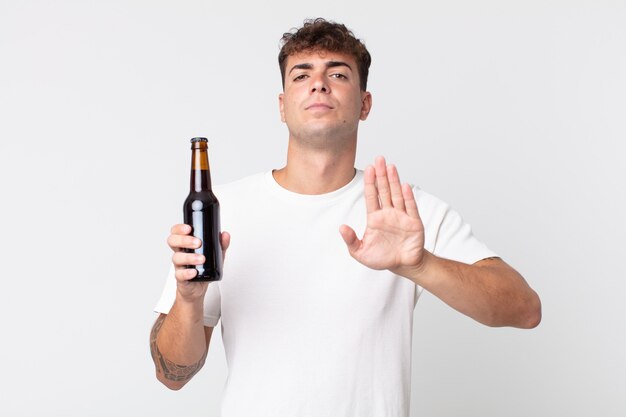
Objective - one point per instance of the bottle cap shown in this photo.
(194, 140)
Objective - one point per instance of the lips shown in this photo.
(318, 106)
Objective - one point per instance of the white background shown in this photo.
(511, 111)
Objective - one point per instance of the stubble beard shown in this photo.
(334, 137)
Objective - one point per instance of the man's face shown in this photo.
(323, 100)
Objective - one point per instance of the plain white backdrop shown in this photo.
(513, 112)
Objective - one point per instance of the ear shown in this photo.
(281, 106)
(366, 104)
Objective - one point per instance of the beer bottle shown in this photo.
(202, 213)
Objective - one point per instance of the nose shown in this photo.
(319, 85)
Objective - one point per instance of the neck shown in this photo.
(316, 171)
(200, 174)
(200, 180)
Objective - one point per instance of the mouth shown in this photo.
(316, 106)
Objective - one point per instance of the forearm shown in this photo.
(490, 291)
(178, 344)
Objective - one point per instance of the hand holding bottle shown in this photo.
(179, 240)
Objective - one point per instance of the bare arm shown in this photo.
(180, 362)
(179, 341)
(490, 291)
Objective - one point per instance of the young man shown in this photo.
(315, 321)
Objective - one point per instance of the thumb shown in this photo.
(349, 236)
(225, 242)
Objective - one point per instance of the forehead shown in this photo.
(319, 58)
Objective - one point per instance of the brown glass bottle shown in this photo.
(202, 212)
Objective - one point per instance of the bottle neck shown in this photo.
(200, 173)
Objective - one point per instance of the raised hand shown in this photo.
(394, 237)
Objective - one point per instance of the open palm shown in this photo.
(394, 237)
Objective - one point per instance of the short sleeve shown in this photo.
(212, 300)
(456, 241)
(446, 233)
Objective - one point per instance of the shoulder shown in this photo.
(429, 205)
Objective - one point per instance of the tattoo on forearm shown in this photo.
(171, 370)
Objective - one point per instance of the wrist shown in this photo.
(189, 305)
(418, 273)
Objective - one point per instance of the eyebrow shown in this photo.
(329, 64)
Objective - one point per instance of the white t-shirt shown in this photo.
(308, 331)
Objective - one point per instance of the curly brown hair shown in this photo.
(322, 35)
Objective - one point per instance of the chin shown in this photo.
(324, 133)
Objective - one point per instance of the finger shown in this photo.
(180, 229)
(182, 259)
(225, 242)
(382, 183)
(185, 274)
(178, 242)
(409, 201)
(349, 236)
(371, 195)
(396, 188)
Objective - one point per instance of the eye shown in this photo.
(339, 75)
(300, 77)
